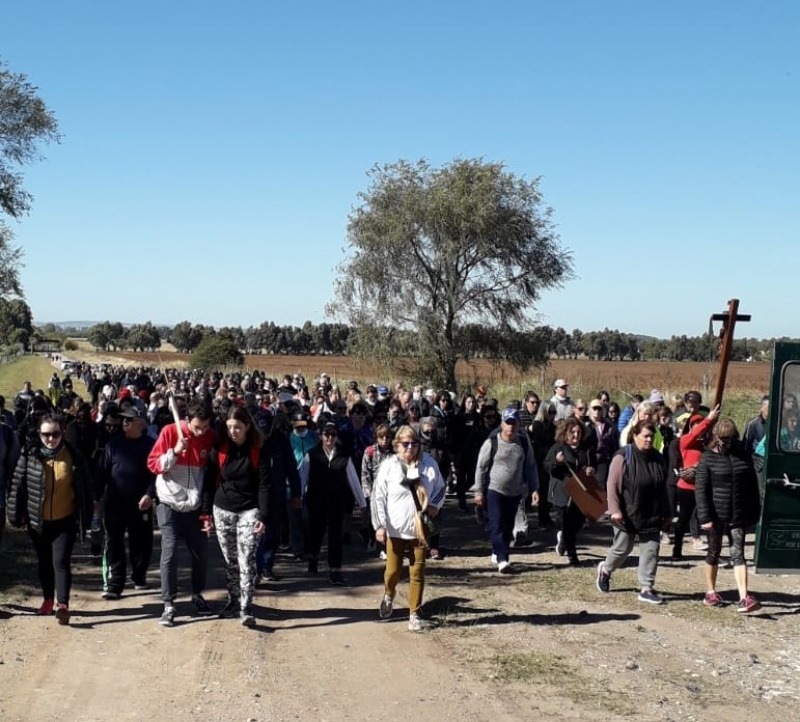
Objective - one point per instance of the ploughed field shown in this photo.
(617, 377)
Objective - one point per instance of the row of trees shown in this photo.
(476, 341)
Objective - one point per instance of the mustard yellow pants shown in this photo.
(396, 550)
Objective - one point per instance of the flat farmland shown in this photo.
(584, 375)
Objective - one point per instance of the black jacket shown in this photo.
(327, 480)
(726, 490)
(26, 495)
(575, 459)
(643, 496)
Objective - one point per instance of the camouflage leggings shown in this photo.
(238, 542)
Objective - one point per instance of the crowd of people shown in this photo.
(264, 463)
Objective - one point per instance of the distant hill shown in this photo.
(70, 324)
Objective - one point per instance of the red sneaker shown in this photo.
(712, 599)
(46, 609)
(62, 614)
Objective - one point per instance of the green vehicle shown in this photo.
(777, 549)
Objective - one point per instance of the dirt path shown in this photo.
(541, 644)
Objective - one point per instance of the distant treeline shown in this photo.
(339, 339)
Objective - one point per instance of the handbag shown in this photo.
(426, 526)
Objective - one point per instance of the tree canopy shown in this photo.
(25, 121)
(215, 352)
(448, 253)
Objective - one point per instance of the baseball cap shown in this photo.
(595, 403)
(510, 414)
(132, 412)
(299, 419)
(560, 382)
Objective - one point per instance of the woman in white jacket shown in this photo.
(394, 512)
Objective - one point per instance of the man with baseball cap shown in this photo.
(128, 488)
(506, 472)
(561, 402)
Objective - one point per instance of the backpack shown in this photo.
(523, 442)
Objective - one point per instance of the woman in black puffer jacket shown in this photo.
(51, 494)
(726, 490)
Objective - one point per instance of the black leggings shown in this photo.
(686, 507)
(321, 519)
(570, 521)
(736, 540)
(53, 544)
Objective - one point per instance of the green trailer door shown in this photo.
(777, 548)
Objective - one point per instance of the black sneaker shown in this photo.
(385, 610)
(230, 610)
(269, 576)
(336, 578)
(110, 594)
(603, 579)
(167, 616)
(313, 567)
(200, 605)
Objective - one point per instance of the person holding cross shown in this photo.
(566, 457)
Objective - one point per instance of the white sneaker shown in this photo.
(560, 548)
(418, 624)
(493, 559)
(382, 555)
(504, 567)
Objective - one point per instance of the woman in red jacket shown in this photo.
(692, 444)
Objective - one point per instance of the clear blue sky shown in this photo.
(212, 151)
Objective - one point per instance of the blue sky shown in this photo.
(212, 151)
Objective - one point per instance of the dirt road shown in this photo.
(542, 644)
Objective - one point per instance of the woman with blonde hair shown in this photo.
(408, 488)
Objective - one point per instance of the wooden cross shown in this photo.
(729, 320)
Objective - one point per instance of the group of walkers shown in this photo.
(267, 464)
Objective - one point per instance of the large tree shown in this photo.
(437, 250)
(25, 121)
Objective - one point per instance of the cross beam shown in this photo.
(729, 320)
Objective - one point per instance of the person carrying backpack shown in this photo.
(506, 470)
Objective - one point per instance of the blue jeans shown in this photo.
(502, 511)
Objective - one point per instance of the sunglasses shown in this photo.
(50, 434)
(330, 433)
(597, 408)
(409, 444)
(128, 420)
(580, 408)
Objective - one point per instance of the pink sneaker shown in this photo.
(712, 599)
(747, 605)
(46, 609)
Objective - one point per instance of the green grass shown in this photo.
(530, 666)
(36, 369)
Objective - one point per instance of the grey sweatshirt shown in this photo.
(512, 473)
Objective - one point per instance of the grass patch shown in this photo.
(531, 666)
(36, 369)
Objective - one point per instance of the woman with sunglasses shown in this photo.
(51, 494)
(329, 481)
(405, 480)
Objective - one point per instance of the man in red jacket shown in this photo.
(179, 458)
